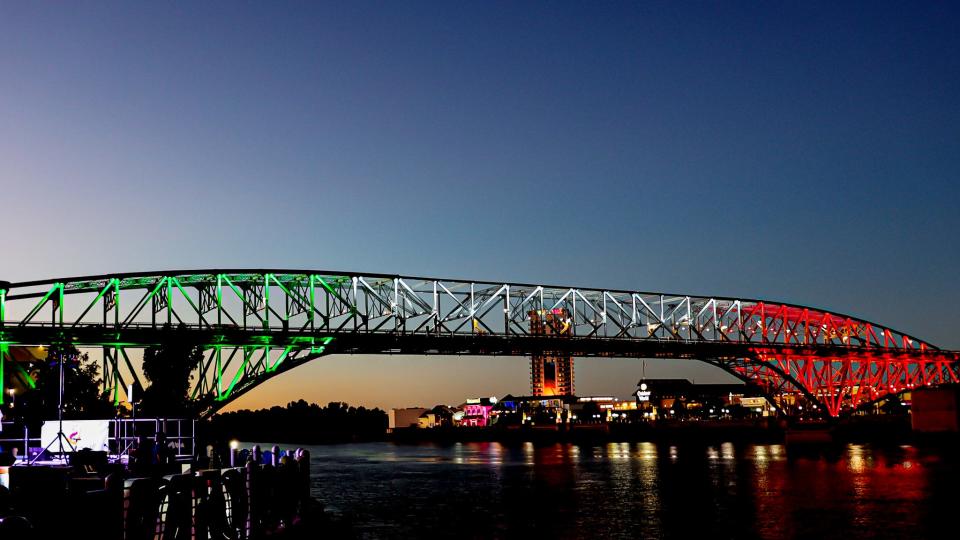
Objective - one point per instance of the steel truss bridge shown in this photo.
(255, 324)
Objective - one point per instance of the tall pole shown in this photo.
(4, 287)
(60, 434)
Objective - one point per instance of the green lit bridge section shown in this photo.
(254, 324)
(246, 337)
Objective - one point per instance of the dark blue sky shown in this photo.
(801, 152)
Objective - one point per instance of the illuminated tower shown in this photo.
(551, 373)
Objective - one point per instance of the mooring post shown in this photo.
(303, 470)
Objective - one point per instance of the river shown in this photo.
(636, 490)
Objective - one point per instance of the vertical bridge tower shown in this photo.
(551, 373)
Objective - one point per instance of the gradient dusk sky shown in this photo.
(806, 152)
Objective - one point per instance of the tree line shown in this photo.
(301, 422)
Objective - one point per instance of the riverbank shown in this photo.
(679, 431)
(892, 430)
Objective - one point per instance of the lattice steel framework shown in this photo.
(254, 324)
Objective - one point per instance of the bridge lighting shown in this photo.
(231, 293)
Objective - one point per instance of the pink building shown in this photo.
(476, 412)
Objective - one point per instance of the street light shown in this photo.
(13, 398)
(234, 446)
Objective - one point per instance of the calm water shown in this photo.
(636, 490)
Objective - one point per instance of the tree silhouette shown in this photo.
(82, 397)
(301, 422)
(167, 367)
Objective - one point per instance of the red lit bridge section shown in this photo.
(254, 324)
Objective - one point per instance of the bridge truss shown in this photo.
(254, 324)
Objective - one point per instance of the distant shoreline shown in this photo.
(887, 431)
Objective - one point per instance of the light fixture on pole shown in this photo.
(61, 437)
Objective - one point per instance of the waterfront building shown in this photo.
(536, 410)
(439, 416)
(404, 418)
(936, 410)
(551, 373)
(601, 409)
(477, 411)
(427, 420)
(680, 398)
(757, 404)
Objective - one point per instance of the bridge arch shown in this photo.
(254, 324)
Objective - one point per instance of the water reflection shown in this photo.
(726, 450)
(647, 451)
(636, 490)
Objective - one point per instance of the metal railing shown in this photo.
(179, 432)
(125, 432)
(14, 435)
